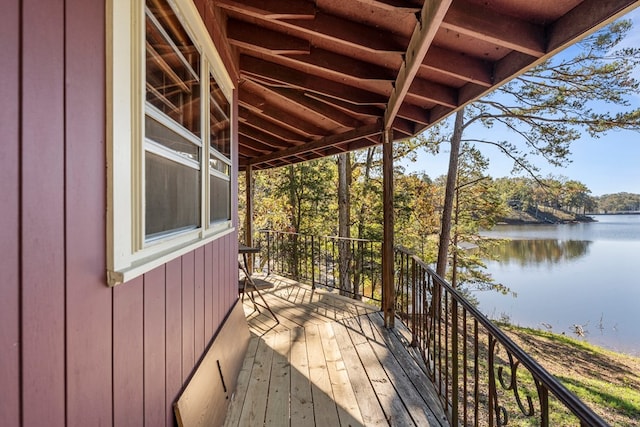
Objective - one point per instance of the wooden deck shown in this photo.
(329, 362)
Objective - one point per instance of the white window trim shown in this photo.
(128, 254)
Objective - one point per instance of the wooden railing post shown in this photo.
(248, 219)
(388, 291)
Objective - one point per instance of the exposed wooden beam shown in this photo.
(248, 36)
(434, 92)
(361, 110)
(272, 9)
(388, 286)
(263, 137)
(341, 65)
(431, 16)
(458, 65)
(328, 141)
(253, 66)
(246, 117)
(352, 33)
(325, 110)
(579, 21)
(392, 5)
(486, 24)
(414, 113)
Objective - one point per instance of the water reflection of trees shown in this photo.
(532, 252)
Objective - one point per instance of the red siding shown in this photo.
(88, 307)
(198, 317)
(154, 347)
(173, 344)
(43, 192)
(188, 302)
(10, 212)
(75, 351)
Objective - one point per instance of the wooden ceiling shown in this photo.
(328, 76)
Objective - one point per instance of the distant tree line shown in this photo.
(616, 203)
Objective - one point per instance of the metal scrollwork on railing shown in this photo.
(480, 381)
(509, 382)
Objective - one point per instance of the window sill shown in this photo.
(145, 265)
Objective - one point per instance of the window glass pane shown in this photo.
(172, 67)
(172, 196)
(219, 121)
(219, 165)
(156, 131)
(220, 201)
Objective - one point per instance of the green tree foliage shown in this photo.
(619, 202)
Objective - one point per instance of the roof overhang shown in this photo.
(317, 78)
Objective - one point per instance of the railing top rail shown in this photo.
(354, 239)
(583, 412)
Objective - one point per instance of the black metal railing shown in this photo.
(351, 266)
(482, 377)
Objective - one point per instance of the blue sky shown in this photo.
(609, 164)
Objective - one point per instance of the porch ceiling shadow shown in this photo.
(322, 77)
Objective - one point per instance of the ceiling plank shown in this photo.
(343, 65)
(431, 16)
(258, 67)
(486, 24)
(414, 113)
(248, 36)
(458, 65)
(272, 9)
(433, 92)
(347, 32)
(336, 116)
(263, 137)
(322, 143)
(245, 116)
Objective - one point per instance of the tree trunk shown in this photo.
(344, 223)
(447, 210)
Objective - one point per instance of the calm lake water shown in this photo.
(584, 274)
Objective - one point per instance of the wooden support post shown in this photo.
(248, 218)
(388, 289)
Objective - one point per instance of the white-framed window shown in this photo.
(169, 149)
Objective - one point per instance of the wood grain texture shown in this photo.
(10, 212)
(42, 231)
(336, 361)
(206, 397)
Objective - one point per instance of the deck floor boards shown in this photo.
(329, 362)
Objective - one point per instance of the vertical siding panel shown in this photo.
(199, 303)
(173, 342)
(188, 359)
(154, 348)
(43, 375)
(233, 288)
(208, 291)
(9, 216)
(128, 354)
(219, 263)
(88, 328)
(215, 285)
